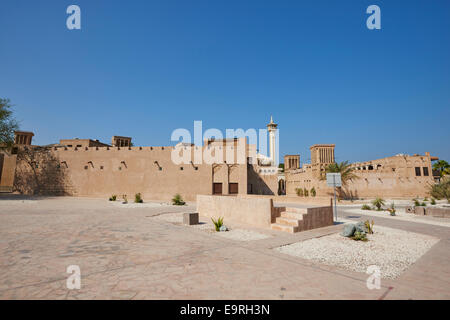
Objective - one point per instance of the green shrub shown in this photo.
(313, 192)
(177, 200)
(359, 236)
(366, 207)
(299, 192)
(378, 203)
(425, 199)
(369, 226)
(305, 192)
(392, 209)
(113, 198)
(416, 203)
(218, 223)
(433, 201)
(441, 190)
(423, 204)
(138, 198)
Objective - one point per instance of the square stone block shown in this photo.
(190, 218)
(419, 211)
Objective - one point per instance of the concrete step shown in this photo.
(288, 221)
(283, 227)
(292, 215)
(296, 210)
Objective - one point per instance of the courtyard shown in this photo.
(145, 252)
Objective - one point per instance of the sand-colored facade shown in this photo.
(85, 167)
(397, 176)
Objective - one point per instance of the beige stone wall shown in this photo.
(388, 177)
(103, 171)
(256, 212)
(262, 184)
(7, 167)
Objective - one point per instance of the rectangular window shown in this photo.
(233, 188)
(425, 171)
(217, 188)
(418, 172)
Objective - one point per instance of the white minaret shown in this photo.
(272, 127)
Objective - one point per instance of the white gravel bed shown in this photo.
(242, 235)
(399, 215)
(392, 250)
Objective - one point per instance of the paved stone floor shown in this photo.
(124, 253)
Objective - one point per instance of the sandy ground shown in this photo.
(133, 253)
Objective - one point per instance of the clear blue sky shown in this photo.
(145, 68)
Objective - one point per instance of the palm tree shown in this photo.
(378, 203)
(442, 166)
(344, 168)
(346, 171)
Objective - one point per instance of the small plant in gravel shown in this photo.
(359, 236)
(138, 198)
(369, 226)
(177, 200)
(125, 199)
(366, 207)
(313, 192)
(113, 198)
(305, 192)
(218, 223)
(416, 203)
(423, 204)
(433, 201)
(392, 209)
(299, 192)
(425, 199)
(378, 203)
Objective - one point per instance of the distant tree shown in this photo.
(441, 190)
(281, 166)
(347, 173)
(378, 203)
(7, 124)
(344, 168)
(443, 167)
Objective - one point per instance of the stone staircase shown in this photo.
(290, 220)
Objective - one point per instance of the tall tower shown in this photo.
(272, 128)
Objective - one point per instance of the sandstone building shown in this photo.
(86, 167)
(396, 176)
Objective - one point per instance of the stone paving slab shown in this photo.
(127, 254)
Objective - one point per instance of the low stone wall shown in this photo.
(318, 218)
(252, 211)
(258, 212)
(429, 211)
(290, 199)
